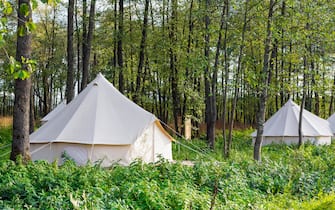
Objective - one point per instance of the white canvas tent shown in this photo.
(283, 126)
(101, 124)
(331, 121)
(54, 112)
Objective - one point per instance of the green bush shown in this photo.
(287, 178)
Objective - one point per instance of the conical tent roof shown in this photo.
(285, 122)
(331, 121)
(100, 114)
(54, 112)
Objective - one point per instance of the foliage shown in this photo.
(287, 178)
(5, 141)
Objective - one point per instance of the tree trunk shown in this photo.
(332, 96)
(237, 77)
(78, 48)
(70, 54)
(142, 50)
(215, 71)
(283, 50)
(264, 80)
(225, 84)
(4, 103)
(173, 66)
(20, 145)
(84, 70)
(115, 40)
(316, 93)
(210, 126)
(46, 92)
(290, 65)
(120, 48)
(87, 45)
(32, 110)
(188, 51)
(302, 106)
(303, 100)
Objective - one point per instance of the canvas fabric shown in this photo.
(331, 121)
(101, 123)
(284, 125)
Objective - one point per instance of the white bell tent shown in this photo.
(101, 124)
(54, 112)
(331, 121)
(283, 127)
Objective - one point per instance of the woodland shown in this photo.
(227, 65)
(232, 63)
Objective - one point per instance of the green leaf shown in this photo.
(24, 9)
(7, 8)
(30, 26)
(3, 21)
(21, 31)
(12, 65)
(34, 4)
(2, 41)
(22, 74)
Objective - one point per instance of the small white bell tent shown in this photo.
(331, 121)
(283, 127)
(54, 112)
(101, 124)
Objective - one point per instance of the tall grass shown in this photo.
(5, 136)
(6, 121)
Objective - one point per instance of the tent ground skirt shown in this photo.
(317, 140)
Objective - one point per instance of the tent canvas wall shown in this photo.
(331, 121)
(54, 112)
(101, 124)
(282, 127)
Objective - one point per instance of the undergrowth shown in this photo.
(287, 178)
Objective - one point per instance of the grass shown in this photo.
(5, 137)
(6, 121)
(287, 178)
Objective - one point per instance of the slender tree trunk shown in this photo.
(4, 103)
(332, 96)
(290, 67)
(274, 66)
(264, 80)
(215, 71)
(142, 51)
(46, 92)
(78, 47)
(70, 54)
(303, 100)
(20, 145)
(115, 40)
(84, 70)
(207, 75)
(87, 45)
(173, 66)
(120, 47)
(188, 52)
(31, 111)
(316, 93)
(237, 77)
(283, 50)
(225, 84)
(302, 106)
(132, 52)
(52, 56)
